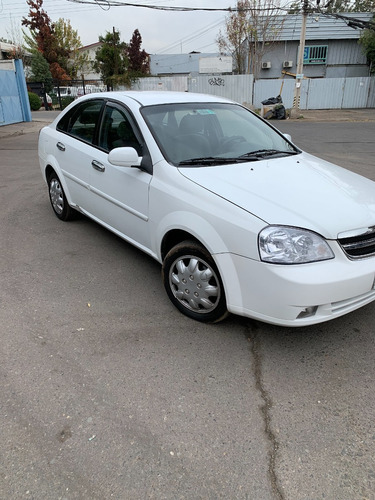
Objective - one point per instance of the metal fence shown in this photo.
(236, 87)
(318, 93)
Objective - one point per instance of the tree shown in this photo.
(251, 32)
(69, 58)
(335, 6)
(365, 5)
(236, 29)
(44, 39)
(40, 71)
(367, 40)
(111, 60)
(138, 59)
(15, 38)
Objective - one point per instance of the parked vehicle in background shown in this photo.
(239, 217)
(48, 99)
(90, 89)
(66, 91)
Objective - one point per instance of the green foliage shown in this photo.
(31, 44)
(120, 63)
(65, 101)
(69, 42)
(367, 40)
(42, 33)
(335, 6)
(55, 41)
(339, 6)
(364, 6)
(35, 102)
(295, 7)
(111, 60)
(40, 71)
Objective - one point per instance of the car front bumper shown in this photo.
(297, 295)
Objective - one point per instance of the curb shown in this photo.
(22, 128)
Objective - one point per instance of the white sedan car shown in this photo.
(241, 220)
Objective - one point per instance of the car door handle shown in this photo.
(60, 146)
(98, 166)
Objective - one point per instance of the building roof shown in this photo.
(91, 46)
(7, 47)
(322, 26)
(10, 47)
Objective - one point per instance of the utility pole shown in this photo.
(299, 75)
(115, 52)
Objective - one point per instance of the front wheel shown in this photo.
(193, 282)
(58, 199)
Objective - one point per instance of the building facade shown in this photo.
(189, 64)
(331, 48)
(90, 51)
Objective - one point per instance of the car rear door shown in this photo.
(76, 133)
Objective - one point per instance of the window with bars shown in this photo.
(315, 54)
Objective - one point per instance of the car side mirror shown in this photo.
(124, 157)
(288, 137)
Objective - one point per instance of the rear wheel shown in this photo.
(193, 282)
(58, 199)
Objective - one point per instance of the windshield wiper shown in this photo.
(218, 160)
(261, 153)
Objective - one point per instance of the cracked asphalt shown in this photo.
(108, 392)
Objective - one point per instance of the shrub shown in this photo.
(65, 101)
(35, 101)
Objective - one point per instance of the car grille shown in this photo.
(361, 246)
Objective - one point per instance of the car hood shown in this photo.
(302, 191)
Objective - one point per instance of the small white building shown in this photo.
(90, 50)
(189, 64)
(6, 50)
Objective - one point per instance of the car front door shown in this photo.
(119, 195)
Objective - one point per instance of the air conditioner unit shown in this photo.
(287, 64)
(266, 65)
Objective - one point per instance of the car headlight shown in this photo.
(292, 245)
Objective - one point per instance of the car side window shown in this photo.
(117, 130)
(81, 121)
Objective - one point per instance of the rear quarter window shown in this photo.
(82, 121)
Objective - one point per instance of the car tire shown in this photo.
(193, 283)
(58, 199)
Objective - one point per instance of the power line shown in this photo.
(192, 37)
(117, 3)
(19, 12)
(352, 22)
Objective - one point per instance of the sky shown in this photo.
(163, 32)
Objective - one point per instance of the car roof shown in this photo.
(148, 98)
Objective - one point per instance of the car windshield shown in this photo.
(213, 134)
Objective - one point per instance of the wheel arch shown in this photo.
(53, 168)
(186, 225)
(173, 238)
(48, 171)
(202, 232)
